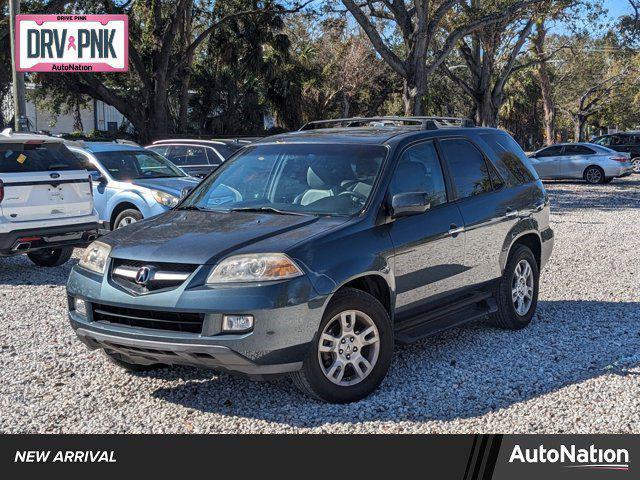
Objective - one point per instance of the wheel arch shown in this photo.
(530, 239)
(375, 285)
(119, 208)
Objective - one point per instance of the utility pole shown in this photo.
(19, 104)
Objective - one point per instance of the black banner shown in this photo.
(442, 457)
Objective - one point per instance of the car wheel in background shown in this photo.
(352, 351)
(117, 360)
(594, 175)
(517, 292)
(53, 257)
(127, 217)
(635, 163)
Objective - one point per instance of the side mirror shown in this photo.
(185, 191)
(406, 204)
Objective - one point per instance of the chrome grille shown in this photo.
(146, 277)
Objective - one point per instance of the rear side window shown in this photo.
(37, 157)
(512, 162)
(185, 155)
(468, 168)
(578, 150)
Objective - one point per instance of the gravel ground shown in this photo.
(575, 369)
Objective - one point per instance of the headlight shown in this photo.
(254, 268)
(95, 257)
(165, 199)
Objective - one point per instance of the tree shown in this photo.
(428, 34)
(164, 39)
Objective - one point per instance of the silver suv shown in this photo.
(46, 203)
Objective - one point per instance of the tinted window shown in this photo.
(550, 151)
(419, 170)
(227, 150)
(618, 140)
(578, 150)
(604, 141)
(188, 155)
(467, 166)
(161, 149)
(512, 163)
(41, 157)
(137, 164)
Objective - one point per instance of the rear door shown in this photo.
(547, 162)
(487, 206)
(575, 159)
(43, 181)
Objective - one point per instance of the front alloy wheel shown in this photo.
(635, 163)
(351, 352)
(348, 348)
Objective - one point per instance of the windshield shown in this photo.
(136, 164)
(295, 178)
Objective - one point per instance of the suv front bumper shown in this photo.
(286, 317)
(31, 239)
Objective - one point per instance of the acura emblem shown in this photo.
(143, 275)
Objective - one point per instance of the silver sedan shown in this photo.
(587, 161)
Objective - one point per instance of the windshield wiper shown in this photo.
(266, 209)
(192, 207)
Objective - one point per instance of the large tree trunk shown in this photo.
(486, 110)
(579, 122)
(549, 118)
(77, 118)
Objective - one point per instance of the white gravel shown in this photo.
(575, 369)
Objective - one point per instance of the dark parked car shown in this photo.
(310, 253)
(628, 142)
(197, 158)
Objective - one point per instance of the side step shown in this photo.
(436, 321)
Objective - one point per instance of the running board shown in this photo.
(470, 308)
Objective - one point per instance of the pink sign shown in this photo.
(72, 43)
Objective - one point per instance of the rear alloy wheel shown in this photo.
(635, 163)
(516, 294)
(53, 257)
(594, 175)
(351, 352)
(127, 217)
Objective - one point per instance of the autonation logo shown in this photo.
(573, 457)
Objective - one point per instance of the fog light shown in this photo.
(237, 323)
(80, 306)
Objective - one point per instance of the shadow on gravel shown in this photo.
(464, 373)
(19, 270)
(620, 194)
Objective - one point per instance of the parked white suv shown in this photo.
(46, 202)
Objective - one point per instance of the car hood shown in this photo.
(184, 236)
(172, 186)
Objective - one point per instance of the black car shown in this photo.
(197, 158)
(310, 253)
(628, 142)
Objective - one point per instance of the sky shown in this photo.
(616, 8)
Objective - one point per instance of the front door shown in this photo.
(547, 162)
(429, 248)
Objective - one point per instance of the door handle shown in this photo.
(454, 230)
(511, 213)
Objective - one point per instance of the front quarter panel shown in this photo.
(140, 197)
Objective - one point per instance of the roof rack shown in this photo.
(425, 123)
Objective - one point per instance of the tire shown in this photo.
(368, 312)
(593, 175)
(127, 217)
(53, 257)
(636, 165)
(507, 316)
(116, 359)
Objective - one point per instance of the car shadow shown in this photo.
(18, 270)
(620, 194)
(463, 373)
